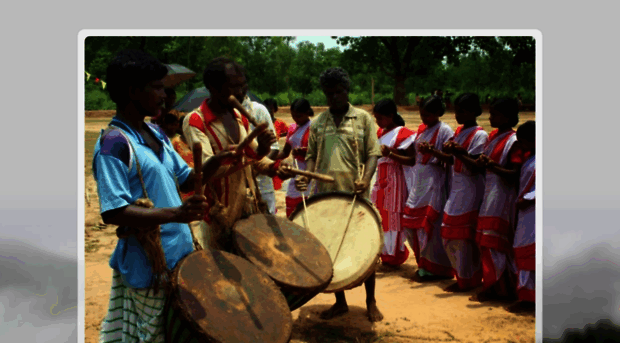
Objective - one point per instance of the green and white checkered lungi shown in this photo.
(135, 318)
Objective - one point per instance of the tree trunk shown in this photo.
(400, 93)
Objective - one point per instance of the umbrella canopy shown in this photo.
(177, 74)
(194, 98)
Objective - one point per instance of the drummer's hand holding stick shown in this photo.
(301, 182)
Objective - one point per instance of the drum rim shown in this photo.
(369, 204)
(183, 307)
(319, 196)
(279, 283)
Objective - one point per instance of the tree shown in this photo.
(402, 57)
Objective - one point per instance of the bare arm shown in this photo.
(137, 216)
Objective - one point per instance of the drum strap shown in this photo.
(149, 238)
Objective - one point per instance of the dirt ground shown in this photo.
(413, 312)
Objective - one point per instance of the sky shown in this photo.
(327, 40)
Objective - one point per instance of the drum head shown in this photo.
(327, 215)
(231, 300)
(289, 254)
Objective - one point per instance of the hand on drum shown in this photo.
(192, 209)
(361, 186)
(301, 183)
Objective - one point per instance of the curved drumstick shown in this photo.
(320, 177)
(233, 101)
(249, 138)
(197, 154)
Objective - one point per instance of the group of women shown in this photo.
(464, 199)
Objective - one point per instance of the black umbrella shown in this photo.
(194, 98)
(177, 74)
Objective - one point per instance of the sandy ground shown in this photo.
(413, 312)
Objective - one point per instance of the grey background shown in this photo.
(38, 192)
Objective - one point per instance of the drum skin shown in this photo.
(296, 260)
(327, 215)
(231, 300)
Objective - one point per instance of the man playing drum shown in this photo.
(133, 160)
(218, 126)
(340, 139)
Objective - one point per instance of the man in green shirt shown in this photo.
(340, 140)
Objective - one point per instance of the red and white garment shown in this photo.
(495, 228)
(390, 193)
(525, 234)
(458, 230)
(297, 137)
(426, 201)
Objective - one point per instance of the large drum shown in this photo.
(225, 298)
(327, 215)
(295, 259)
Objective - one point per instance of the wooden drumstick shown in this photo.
(249, 138)
(233, 101)
(350, 216)
(312, 175)
(197, 154)
(303, 198)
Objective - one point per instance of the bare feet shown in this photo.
(453, 288)
(484, 295)
(374, 315)
(521, 306)
(492, 294)
(336, 310)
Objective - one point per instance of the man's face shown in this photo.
(235, 85)
(337, 97)
(150, 99)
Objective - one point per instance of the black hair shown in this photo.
(271, 102)
(469, 102)
(509, 108)
(169, 118)
(335, 76)
(303, 106)
(398, 120)
(527, 131)
(434, 105)
(388, 108)
(131, 68)
(214, 75)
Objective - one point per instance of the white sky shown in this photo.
(327, 40)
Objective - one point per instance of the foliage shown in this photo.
(284, 69)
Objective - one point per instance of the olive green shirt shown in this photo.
(333, 148)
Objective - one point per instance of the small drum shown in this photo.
(328, 214)
(295, 259)
(228, 299)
